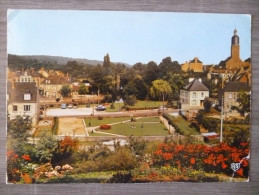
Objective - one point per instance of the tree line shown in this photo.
(117, 80)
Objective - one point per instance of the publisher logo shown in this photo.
(235, 166)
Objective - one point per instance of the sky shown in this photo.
(128, 37)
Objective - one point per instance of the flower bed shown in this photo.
(215, 159)
(105, 127)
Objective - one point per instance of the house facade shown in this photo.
(193, 95)
(51, 85)
(196, 65)
(231, 91)
(23, 100)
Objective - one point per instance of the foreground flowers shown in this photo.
(216, 159)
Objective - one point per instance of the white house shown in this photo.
(23, 100)
(193, 94)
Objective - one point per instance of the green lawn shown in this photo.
(135, 129)
(148, 119)
(96, 122)
(139, 104)
(43, 130)
(100, 134)
(91, 177)
(184, 125)
(148, 104)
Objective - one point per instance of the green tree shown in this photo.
(207, 105)
(244, 103)
(19, 128)
(137, 87)
(137, 146)
(176, 82)
(160, 88)
(130, 100)
(166, 66)
(150, 73)
(46, 148)
(106, 61)
(82, 89)
(65, 91)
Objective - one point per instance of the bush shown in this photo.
(121, 178)
(112, 106)
(105, 127)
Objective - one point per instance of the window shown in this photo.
(27, 108)
(230, 95)
(194, 94)
(202, 94)
(193, 102)
(15, 108)
(27, 96)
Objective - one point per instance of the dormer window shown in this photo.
(27, 96)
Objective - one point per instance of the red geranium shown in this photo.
(26, 157)
(192, 161)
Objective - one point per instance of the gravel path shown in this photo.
(71, 126)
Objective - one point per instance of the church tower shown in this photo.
(235, 46)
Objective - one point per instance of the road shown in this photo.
(69, 112)
(89, 111)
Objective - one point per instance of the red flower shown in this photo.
(224, 166)
(240, 172)
(192, 161)
(26, 157)
(167, 156)
(245, 163)
(244, 144)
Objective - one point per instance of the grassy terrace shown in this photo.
(96, 122)
(139, 105)
(183, 125)
(43, 130)
(147, 126)
(138, 129)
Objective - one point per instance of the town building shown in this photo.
(51, 85)
(234, 62)
(231, 69)
(195, 65)
(23, 100)
(193, 94)
(230, 95)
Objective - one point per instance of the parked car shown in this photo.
(100, 108)
(63, 106)
(75, 105)
(70, 106)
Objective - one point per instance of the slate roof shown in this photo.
(196, 85)
(16, 94)
(236, 86)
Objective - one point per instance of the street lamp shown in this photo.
(222, 110)
(93, 103)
